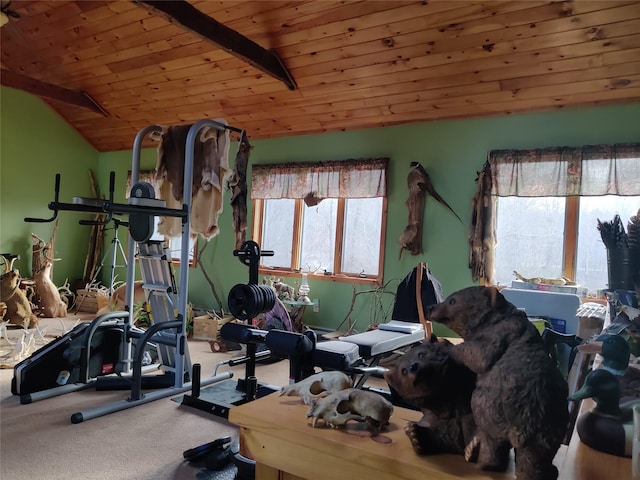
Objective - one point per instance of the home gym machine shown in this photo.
(110, 351)
(247, 301)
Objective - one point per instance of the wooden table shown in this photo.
(275, 432)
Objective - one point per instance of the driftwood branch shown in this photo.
(208, 278)
(354, 296)
(96, 237)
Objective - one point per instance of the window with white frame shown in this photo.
(546, 206)
(326, 218)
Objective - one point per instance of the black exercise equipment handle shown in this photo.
(249, 254)
(55, 201)
(108, 207)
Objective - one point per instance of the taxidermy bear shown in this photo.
(426, 377)
(520, 399)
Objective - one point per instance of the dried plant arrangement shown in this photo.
(613, 233)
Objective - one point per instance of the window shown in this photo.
(175, 245)
(326, 218)
(535, 244)
(544, 206)
(591, 254)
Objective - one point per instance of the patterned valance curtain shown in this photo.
(361, 178)
(591, 170)
(566, 171)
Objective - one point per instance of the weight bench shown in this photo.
(357, 355)
(360, 354)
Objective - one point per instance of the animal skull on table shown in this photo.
(338, 408)
(317, 385)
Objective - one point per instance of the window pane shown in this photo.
(277, 232)
(361, 246)
(591, 261)
(319, 236)
(530, 237)
(175, 243)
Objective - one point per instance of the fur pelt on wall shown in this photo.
(210, 169)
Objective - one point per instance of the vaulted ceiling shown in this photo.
(282, 68)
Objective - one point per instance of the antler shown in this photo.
(8, 260)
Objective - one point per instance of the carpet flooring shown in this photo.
(38, 440)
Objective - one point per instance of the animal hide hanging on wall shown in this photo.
(210, 169)
(482, 229)
(238, 186)
(420, 186)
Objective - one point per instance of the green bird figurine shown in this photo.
(608, 426)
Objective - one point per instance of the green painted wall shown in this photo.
(35, 144)
(452, 152)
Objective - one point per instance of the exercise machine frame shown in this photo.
(145, 208)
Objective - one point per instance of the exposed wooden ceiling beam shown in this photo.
(187, 16)
(53, 92)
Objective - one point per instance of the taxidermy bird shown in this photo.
(426, 185)
(420, 186)
(607, 427)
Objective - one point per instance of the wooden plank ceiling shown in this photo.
(356, 64)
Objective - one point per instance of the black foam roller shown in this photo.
(239, 333)
(232, 332)
(290, 343)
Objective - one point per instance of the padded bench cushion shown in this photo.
(336, 355)
(377, 342)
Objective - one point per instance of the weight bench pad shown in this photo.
(336, 355)
(378, 342)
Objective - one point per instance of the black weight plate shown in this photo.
(259, 299)
(242, 302)
(268, 297)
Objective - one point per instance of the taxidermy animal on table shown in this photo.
(426, 377)
(420, 186)
(520, 399)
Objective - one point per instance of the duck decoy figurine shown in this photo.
(615, 354)
(608, 426)
(615, 351)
